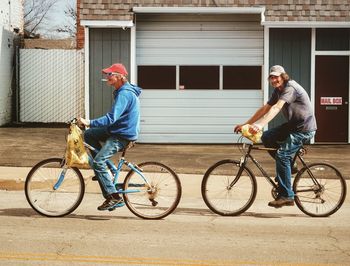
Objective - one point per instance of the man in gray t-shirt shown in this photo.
(297, 108)
(287, 138)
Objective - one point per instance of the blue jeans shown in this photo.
(112, 144)
(287, 144)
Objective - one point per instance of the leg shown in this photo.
(94, 137)
(111, 147)
(284, 157)
(272, 138)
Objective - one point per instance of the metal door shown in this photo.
(331, 98)
(106, 46)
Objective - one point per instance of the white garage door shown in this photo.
(201, 75)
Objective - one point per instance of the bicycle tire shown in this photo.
(324, 201)
(44, 198)
(224, 201)
(158, 201)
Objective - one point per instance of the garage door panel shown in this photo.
(199, 43)
(201, 94)
(191, 120)
(200, 103)
(188, 129)
(222, 34)
(199, 26)
(206, 112)
(189, 138)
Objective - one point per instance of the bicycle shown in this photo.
(229, 187)
(151, 190)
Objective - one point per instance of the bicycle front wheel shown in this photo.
(53, 190)
(320, 190)
(154, 195)
(225, 193)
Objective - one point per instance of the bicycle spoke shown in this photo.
(222, 195)
(320, 190)
(42, 196)
(158, 197)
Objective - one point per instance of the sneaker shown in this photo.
(295, 168)
(121, 204)
(280, 202)
(109, 203)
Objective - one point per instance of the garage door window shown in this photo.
(157, 77)
(241, 77)
(199, 77)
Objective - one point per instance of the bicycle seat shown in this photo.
(127, 147)
(130, 145)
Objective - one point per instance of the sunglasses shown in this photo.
(109, 75)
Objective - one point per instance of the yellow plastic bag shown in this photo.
(76, 155)
(253, 137)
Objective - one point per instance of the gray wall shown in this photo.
(291, 48)
(107, 46)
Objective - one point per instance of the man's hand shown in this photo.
(238, 128)
(255, 128)
(82, 122)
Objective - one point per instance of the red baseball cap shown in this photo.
(116, 68)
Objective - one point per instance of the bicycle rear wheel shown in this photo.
(156, 199)
(218, 195)
(53, 190)
(323, 195)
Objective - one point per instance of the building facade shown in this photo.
(11, 24)
(203, 65)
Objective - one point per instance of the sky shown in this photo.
(55, 18)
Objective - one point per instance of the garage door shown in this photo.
(201, 75)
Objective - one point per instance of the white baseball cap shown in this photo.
(276, 70)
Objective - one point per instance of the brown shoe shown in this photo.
(280, 202)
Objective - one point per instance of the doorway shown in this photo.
(332, 98)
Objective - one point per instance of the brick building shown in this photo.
(203, 65)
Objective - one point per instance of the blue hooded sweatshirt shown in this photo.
(124, 118)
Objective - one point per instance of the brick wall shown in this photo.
(80, 29)
(11, 17)
(276, 10)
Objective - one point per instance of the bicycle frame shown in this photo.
(247, 155)
(116, 170)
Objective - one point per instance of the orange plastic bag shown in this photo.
(76, 155)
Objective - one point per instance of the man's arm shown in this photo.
(258, 114)
(273, 111)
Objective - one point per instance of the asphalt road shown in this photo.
(190, 236)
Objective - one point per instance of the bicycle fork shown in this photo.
(61, 177)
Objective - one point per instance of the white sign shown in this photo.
(331, 100)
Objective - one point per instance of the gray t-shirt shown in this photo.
(297, 109)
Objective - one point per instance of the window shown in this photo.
(199, 77)
(242, 77)
(332, 39)
(157, 77)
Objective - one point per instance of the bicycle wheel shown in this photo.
(218, 195)
(53, 190)
(324, 195)
(155, 199)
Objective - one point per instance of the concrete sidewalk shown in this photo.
(24, 147)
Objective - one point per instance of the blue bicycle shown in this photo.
(151, 190)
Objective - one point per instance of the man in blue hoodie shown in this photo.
(115, 130)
